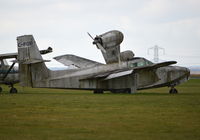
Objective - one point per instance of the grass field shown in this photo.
(52, 114)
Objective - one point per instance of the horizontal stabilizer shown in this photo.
(14, 55)
(76, 61)
(8, 55)
(33, 61)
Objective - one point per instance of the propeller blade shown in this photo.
(90, 36)
(98, 44)
(101, 47)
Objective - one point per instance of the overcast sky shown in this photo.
(63, 24)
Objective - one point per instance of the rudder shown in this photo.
(32, 69)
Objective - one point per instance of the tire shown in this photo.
(98, 91)
(128, 90)
(173, 91)
(1, 89)
(13, 90)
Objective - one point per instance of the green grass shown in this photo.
(49, 114)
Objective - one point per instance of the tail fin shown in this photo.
(32, 69)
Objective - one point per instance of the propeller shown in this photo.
(90, 36)
(97, 43)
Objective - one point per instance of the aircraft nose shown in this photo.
(181, 73)
(187, 72)
(177, 73)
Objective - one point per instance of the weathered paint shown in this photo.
(132, 74)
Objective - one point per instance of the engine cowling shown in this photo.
(126, 55)
(109, 44)
(109, 39)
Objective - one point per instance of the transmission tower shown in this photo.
(156, 52)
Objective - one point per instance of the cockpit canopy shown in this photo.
(139, 62)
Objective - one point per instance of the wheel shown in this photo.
(1, 89)
(128, 90)
(114, 91)
(13, 90)
(173, 91)
(97, 91)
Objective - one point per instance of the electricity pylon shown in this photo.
(156, 52)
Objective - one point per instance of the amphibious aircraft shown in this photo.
(9, 74)
(122, 72)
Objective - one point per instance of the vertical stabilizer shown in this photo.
(33, 71)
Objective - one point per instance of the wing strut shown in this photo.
(9, 70)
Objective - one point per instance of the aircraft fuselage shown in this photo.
(133, 74)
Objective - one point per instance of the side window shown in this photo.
(132, 65)
(148, 63)
(140, 64)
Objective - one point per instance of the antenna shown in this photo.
(156, 52)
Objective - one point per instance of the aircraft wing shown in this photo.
(8, 55)
(109, 75)
(120, 73)
(48, 50)
(14, 55)
(77, 61)
(157, 65)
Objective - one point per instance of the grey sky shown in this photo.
(63, 24)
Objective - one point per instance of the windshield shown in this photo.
(139, 63)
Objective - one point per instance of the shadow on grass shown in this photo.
(192, 87)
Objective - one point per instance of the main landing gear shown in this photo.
(100, 91)
(1, 89)
(12, 89)
(173, 90)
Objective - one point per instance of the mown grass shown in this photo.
(49, 114)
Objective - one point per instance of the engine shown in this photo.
(109, 39)
(109, 44)
(126, 55)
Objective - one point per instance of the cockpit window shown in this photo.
(148, 62)
(140, 63)
(132, 65)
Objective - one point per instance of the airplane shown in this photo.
(122, 72)
(9, 74)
